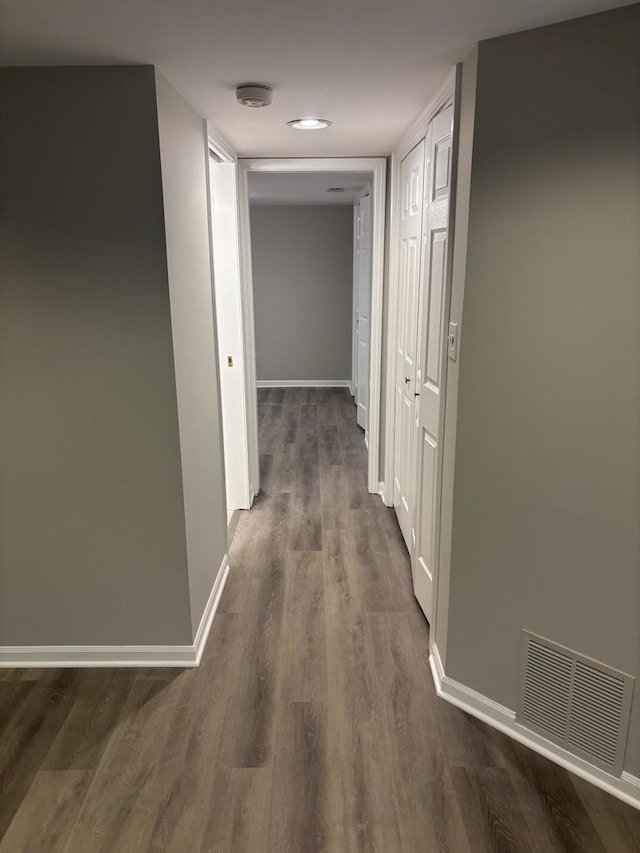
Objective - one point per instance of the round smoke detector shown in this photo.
(254, 95)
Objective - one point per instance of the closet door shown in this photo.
(412, 199)
(432, 358)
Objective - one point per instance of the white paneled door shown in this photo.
(431, 368)
(411, 215)
(364, 309)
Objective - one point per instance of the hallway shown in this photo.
(311, 725)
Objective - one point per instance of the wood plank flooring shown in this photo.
(312, 724)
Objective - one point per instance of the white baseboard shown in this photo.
(383, 495)
(626, 788)
(202, 634)
(303, 383)
(20, 657)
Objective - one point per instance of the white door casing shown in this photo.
(371, 166)
(364, 311)
(432, 359)
(229, 329)
(411, 214)
(354, 342)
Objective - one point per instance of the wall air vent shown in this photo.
(580, 704)
(335, 190)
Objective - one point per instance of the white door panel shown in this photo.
(431, 367)
(412, 196)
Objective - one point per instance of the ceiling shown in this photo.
(369, 66)
(306, 187)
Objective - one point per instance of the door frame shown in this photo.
(377, 166)
(354, 331)
(226, 154)
(367, 191)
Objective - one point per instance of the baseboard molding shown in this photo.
(202, 634)
(383, 495)
(626, 788)
(42, 657)
(303, 383)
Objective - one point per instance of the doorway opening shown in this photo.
(311, 243)
(311, 265)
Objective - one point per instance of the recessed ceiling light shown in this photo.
(309, 123)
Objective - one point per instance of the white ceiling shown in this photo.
(306, 187)
(369, 66)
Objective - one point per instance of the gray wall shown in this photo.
(547, 500)
(183, 153)
(92, 534)
(302, 258)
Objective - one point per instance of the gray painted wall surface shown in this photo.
(92, 534)
(184, 182)
(547, 499)
(302, 258)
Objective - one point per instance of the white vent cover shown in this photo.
(577, 702)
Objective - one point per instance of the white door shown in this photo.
(412, 198)
(364, 310)
(432, 366)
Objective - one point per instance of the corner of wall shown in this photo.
(183, 157)
(463, 153)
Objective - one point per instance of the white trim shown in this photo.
(354, 306)
(303, 383)
(18, 657)
(311, 164)
(374, 413)
(410, 138)
(383, 495)
(228, 155)
(220, 145)
(378, 167)
(626, 788)
(200, 640)
(248, 325)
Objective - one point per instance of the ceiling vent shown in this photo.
(580, 704)
(254, 95)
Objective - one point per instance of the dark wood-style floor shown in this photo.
(312, 724)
